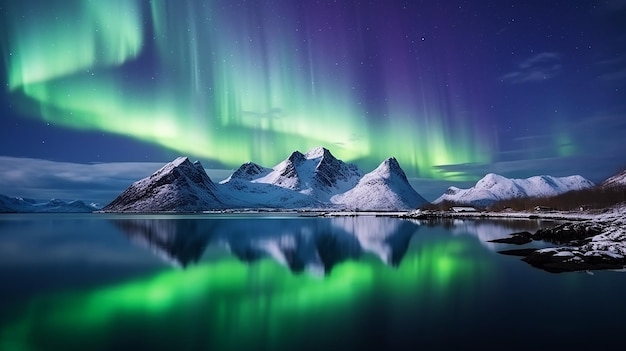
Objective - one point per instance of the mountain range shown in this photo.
(20, 205)
(492, 188)
(313, 180)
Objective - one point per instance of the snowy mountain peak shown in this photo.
(493, 187)
(199, 166)
(490, 180)
(333, 175)
(389, 168)
(386, 188)
(317, 152)
(248, 171)
(180, 160)
(177, 186)
(617, 180)
(180, 164)
(316, 172)
(296, 157)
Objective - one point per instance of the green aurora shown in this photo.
(232, 87)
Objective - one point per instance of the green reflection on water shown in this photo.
(228, 304)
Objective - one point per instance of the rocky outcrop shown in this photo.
(572, 233)
(587, 245)
(520, 238)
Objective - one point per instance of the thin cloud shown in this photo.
(100, 183)
(540, 67)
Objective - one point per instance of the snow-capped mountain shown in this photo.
(317, 173)
(492, 188)
(617, 180)
(21, 205)
(314, 180)
(177, 186)
(385, 189)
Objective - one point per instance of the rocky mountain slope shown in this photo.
(314, 180)
(618, 180)
(178, 186)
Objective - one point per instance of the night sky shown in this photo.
(452, 89)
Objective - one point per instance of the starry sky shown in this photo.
(452, 89)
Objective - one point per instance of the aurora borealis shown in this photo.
(452, 89)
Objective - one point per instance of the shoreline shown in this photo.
(411, 214)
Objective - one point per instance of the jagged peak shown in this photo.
(296, 157)
(452, 190)
(247, 170)
(317, 152)
(390, 166)
(179, 161)
(199, 166)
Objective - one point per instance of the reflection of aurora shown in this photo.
(228, 304)
(238, 84)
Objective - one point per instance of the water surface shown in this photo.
(278, 282)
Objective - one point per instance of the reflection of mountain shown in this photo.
(314, 245)
(160, 236)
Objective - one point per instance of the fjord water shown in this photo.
(282, 282)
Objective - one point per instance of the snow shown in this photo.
(607, 247)
(177, 186)
(493, 187)
(384, 189)
(313, 180)
(616, 180)
(564, 254)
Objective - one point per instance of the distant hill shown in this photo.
(493, 188)
(618, 180)
(21, 205)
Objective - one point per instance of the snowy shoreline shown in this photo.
(586, 241)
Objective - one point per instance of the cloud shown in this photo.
(613, 69)
(540, 67)
(100, 182)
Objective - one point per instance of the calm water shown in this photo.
(113, 282)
